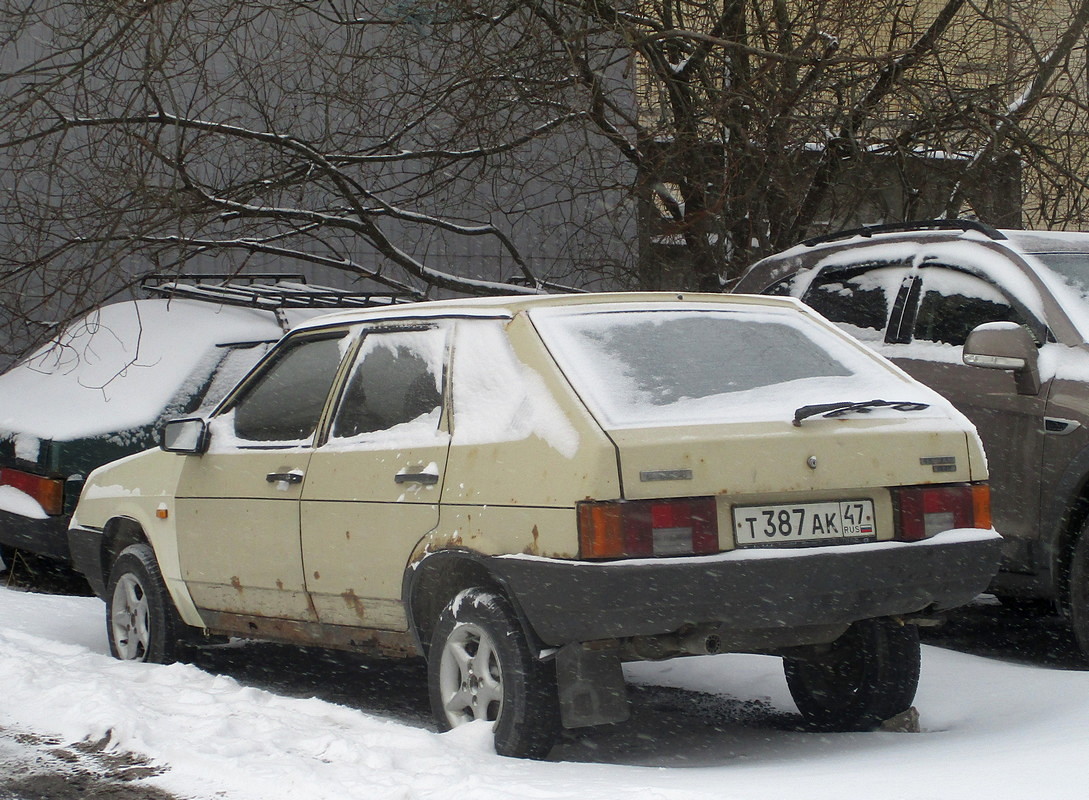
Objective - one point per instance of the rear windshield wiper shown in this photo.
(863, 407)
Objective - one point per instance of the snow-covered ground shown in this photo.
(246, 727)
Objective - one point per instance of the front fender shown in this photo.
(138, 489)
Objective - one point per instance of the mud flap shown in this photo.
(591, 685)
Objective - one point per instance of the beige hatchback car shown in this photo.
(529, 492)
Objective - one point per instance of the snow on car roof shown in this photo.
(509, 305)
(118, 367)
(1049, 241)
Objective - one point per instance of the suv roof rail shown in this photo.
(912, 225)
(263, 290)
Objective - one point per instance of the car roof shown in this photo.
(1025, 241)
(507, 306)
(1049, 241)
(1006, 251)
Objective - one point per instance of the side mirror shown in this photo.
(188, 435)
(1005, 345)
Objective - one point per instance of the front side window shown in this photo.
(284, 401)
(953, 303)
(396, 382)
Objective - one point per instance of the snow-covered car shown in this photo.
(530, 491)
(99, 393)
(101, 389)
(998, 323)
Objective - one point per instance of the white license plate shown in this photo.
(804, 522)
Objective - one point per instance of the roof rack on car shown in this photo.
(264, 290)
(913, 225)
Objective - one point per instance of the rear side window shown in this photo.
(396, 380)
(860, 299)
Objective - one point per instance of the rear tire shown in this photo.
(869, 675)
(1079, 592)
(141, 621)
(480, 667)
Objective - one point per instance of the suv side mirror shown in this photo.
(1005, 345)
(188, 435)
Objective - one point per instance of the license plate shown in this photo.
(804, 522)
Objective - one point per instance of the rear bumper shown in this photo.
(571, 601)
(85, 545)
(47, 537)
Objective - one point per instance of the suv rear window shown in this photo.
(643, 368)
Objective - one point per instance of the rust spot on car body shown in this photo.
(236, 582)
(534, 548)
(351, 599)
(398, 644)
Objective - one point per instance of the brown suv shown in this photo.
(998, 322)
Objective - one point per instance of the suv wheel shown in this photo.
(1079, 591)
(870, 675)
(480, 667)
(141, 622)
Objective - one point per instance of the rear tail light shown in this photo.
(923, 511)
(620, 528)
(49, 492)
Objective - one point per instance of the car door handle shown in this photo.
(426, 478)
(294, 476)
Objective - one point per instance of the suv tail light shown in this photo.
(49, 492)
(923, 511)
(621, 528)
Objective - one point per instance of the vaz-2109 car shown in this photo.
(529, 492)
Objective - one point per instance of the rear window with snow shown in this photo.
(661, 367)
(395, 386)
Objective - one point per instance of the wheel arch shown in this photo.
(119, 533)
(433, 581)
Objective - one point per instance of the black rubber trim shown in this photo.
(86, 548)
(47, 537)
(908, 227)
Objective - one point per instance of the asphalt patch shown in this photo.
(34, 767)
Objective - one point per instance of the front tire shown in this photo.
(480, 667)
(141, 622)
(869, 675)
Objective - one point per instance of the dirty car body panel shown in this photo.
(627, 476)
